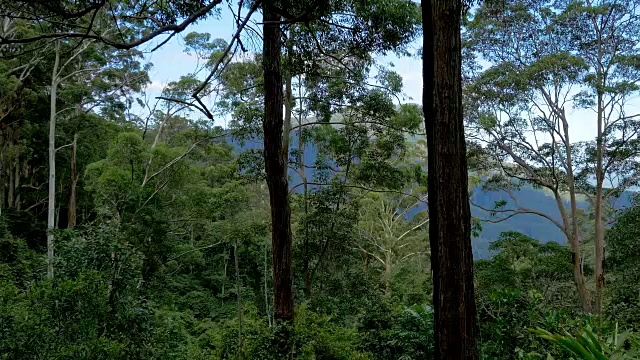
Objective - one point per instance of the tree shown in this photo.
(449, 212)
(84, 64)
(136, 22)
(391, 236)
(523, 263)
(276, 126)
(622, 260)
(579, 55)
(17, 90)
(276, 173)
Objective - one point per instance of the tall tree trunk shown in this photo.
(239, 299)
(305, 199)
(597, 213)
(266, 289)
(387, 273)
(52, 162)
(288, 99)
(2, 178)
(276, 171)
(17, 176)
(11, 182)
(574, 240)
(74, 183)
(449, 212)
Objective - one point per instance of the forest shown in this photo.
(285, 198)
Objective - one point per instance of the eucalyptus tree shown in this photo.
(544, 59)
(91, 75)
(392, 232)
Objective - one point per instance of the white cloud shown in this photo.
(156, 86)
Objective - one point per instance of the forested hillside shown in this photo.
(331, 216)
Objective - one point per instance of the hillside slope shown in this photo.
(531, 225)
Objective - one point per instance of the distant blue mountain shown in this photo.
(531, 225)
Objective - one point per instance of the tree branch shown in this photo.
(175, 28)
(514, 212)
(192, 250)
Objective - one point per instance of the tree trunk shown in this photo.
(288, 100)
(239, 299)
(305, 200)
(387, 273)
(597, 213)
(305, 223)
(574, 240)
(449, 212)
(266, 290)
(10, 196)
(276, 172)
(52, 163)
(17, 204)
(2, 178)
(74, 183)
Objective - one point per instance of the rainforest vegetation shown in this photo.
(284, 198)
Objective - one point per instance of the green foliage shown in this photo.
(623, 259)
(588, 346)
(524, 285)
(397, 333)
(171, 257)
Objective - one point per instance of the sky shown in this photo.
(170, 62)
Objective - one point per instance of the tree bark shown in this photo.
(52, 162)
(305, 223)
(276, 173)
(2, 178)
(288, 99)
(266, 291)
(449, 212)
(17, 203)
(574, 240)
(240, 353)
(11, 182)
(387, 273)
(597, 213)
(71, 223)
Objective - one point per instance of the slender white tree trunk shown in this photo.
(238, 297)
(71, 223)
(52, 163)
(599, 228)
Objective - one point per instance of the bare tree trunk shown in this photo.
(10, 193)
(52, 162)
(276, 171)
(13, 168)
(74, 183)
(449, 212)
(387, 273)
(574, 240)
(224, 273)
(305, 199)
(239, 299)
(288, 100)
(2, 178)
(266, 289)
(17, 176)
(599, 229)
